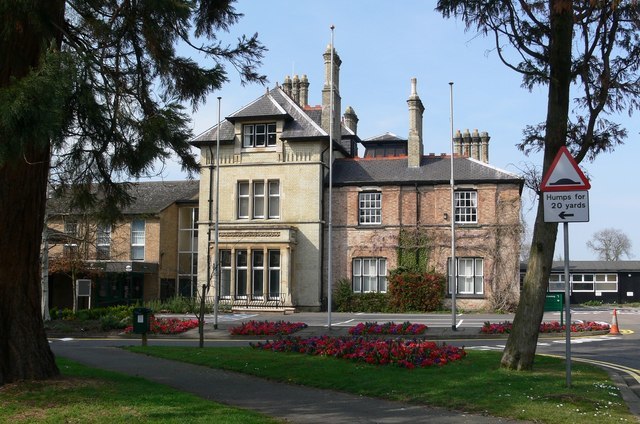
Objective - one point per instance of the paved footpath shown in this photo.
(291, 403)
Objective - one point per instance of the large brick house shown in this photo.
(150, 254)
(273, 209)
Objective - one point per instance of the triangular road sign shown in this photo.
(564, 174)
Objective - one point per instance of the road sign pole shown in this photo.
(567, 303)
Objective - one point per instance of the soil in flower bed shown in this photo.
(398, 352)
(266, 328)
(545, 327)
(78, 328)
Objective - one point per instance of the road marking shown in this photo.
(460, 323)
(342, 323)
(547, 344)
(632, 372)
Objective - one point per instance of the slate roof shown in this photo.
(264, 106)
(301, 125)
(227, 134)
(386, 137)
(149, 197)
(155, 196)
(432, 170)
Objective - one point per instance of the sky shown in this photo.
(382, 46)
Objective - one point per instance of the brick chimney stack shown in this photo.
(416, 109)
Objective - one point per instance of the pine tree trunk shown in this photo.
(520, 349)
(24, 349)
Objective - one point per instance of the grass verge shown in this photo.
(474, 384)
(87, 395)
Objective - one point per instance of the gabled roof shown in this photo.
(274, 104)
(149, 197)
(432, 170)
(264, 106)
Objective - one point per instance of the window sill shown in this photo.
(467, 296)
(259, 149)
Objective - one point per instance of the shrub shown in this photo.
(111, 322)
(343, 296)
(371, 302)
(345, 300)
(412, 291)
(179, 305)
(118, 312)
(57, 313)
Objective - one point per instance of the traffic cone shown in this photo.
(613, 329)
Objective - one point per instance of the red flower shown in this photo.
(399, 352)
(167, 325)
(267, 328)
(545, 327)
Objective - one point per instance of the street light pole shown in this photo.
(454, 264)
(216, 258)
(330, 217)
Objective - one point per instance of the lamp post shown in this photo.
(216, 257)
(330, 217)
(454, 264)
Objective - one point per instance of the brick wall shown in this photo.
(495, 238)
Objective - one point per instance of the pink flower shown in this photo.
(267, 328)
(374, 328)
(545, 327)
(398, 352)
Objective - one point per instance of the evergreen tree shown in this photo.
(93, 92)
(591, 47)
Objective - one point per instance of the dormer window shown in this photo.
(259, 135)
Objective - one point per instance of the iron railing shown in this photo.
(271, 301)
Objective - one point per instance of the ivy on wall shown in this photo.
(414, 248)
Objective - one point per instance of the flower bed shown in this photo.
(398, 352)
(266, 328)
(545, 327)
(168, 325)
(389, 328)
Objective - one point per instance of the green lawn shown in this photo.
(474, 384)
(86, 395)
